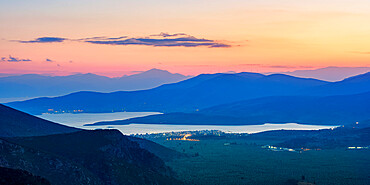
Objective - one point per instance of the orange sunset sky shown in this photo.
(114, 38)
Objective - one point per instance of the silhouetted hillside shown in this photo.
(162, 152)
(86, 157)
(57, 169)
(10, 176)
(14, 123)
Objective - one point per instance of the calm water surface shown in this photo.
(78, 120)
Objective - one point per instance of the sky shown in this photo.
(115, 37)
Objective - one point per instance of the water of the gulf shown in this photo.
(78, 120)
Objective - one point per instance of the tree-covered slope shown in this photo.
(86, 157)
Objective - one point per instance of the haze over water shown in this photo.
(78, 120)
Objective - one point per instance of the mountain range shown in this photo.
(37, 150)
(34, 85)
(194, 94)
(186, 96)
(330, 73)
(328, 110)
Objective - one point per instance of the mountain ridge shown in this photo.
(330, 73)
(199, 92)
(35, 85)
(314, 110)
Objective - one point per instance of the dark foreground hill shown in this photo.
(10, 176)
(85, 157)
(330, 110)
(186, 96)
(65, 155)
(14, 123)
(162, 152)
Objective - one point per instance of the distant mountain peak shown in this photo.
(285, 76)
(330, 73)
(85, 74)
(156, 71)
(361, 77)
(251, 74)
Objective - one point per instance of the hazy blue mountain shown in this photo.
(333, 110)
(186, 96)
(7, 74)
(14, 123)
(150, 79)
(329, 110)
(351, 85)
(330, 73)
(33, 85)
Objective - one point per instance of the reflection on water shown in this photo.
(78, 120)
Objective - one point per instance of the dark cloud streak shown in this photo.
(45, 40)
(13, 59)
(49, 60)
(166, 40)
(158, 40)
(168, 35)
